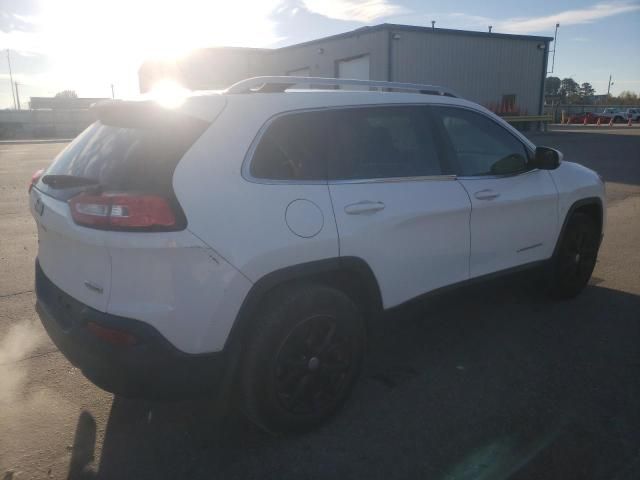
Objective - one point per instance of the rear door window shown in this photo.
(293, 147)
(383, 142)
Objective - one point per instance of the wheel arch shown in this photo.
(592, 206)
(352, 275)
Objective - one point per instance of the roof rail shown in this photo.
(280, 84)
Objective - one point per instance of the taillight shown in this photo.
(34, 178)
(122, 211)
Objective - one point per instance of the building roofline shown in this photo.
(415, 28)
(371, 29)
(393, 26)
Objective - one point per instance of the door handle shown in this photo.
(486, 194)
(366, 206)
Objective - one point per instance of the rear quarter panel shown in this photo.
(244, 221)
(177, 284)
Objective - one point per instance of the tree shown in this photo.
(569, 87)
(67, 94)
(587, 91)
(552, 86)
(627, 97)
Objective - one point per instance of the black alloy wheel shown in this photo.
(576, 257)
(312, 366)
(302, 358)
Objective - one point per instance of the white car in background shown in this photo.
(254, 233)
(613, 113)
(633, 114)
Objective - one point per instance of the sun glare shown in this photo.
(115, 37)
(169, 94)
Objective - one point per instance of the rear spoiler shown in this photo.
(140, 114)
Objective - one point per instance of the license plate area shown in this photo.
(65, 310)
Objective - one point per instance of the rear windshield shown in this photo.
(129, 156)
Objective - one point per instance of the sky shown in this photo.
(88, 45)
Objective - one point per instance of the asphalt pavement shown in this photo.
(489, 381)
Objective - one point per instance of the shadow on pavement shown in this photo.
(492, 381)
(83, 447)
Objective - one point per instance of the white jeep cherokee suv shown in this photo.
(253, 233)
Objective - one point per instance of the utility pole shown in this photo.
(17, 96)
(113, 95)
(555, 47)
(13, 95)
(609, 87)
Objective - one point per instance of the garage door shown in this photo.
(354, 68)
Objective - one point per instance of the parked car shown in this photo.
(633, 114)
(249, 236)
(613, 113)
(580, 117)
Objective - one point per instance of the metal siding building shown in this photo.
(322, 56)
(482, 67)
(488, 68)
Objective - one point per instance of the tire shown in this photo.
(576, 257)
(302, 359)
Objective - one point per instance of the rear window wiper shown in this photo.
(68, 181)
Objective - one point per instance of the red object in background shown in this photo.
(584, 118)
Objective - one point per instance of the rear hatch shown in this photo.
(115, 177)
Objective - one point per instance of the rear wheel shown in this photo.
(575, 260)
(302, 359)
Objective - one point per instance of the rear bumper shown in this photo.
(150, 368)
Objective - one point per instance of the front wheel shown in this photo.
(575, 259)
(302, 358)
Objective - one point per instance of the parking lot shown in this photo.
(490, 381)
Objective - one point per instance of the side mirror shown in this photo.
(546, 158)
